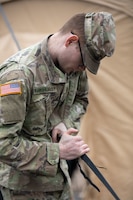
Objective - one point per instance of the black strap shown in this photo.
(87, 178)
(87, 160)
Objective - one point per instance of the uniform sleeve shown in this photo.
(80, 103)
(16, 150)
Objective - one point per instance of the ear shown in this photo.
(70, 39)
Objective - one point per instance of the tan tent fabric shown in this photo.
(108, 124)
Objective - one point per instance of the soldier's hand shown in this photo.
(72, 147)
(57, 131)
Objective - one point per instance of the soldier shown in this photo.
(43, 95)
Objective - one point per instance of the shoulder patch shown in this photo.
(10, 88)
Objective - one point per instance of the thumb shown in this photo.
(71, 131)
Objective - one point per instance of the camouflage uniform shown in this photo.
(34, 97)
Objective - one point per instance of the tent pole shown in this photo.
(9, 26)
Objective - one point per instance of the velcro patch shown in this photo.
(10, 88)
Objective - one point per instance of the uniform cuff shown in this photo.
(52, 159)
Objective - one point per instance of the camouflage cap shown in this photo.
(99, 39)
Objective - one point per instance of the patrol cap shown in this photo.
(100, 39)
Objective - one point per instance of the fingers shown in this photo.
(84, 149)
(71, 131)
(55, 135)
(72, 147)
(57, 131)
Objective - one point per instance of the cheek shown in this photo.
(75, 57)
(71, 57)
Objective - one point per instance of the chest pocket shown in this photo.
(42, 104)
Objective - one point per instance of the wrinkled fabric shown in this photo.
(35, 96)
(8, 194)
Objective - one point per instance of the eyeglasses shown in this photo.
(81, 53)
(80, 50)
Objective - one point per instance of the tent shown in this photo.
(107, 126)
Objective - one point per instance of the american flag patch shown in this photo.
(10, 88)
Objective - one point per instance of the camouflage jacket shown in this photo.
(35, 96)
